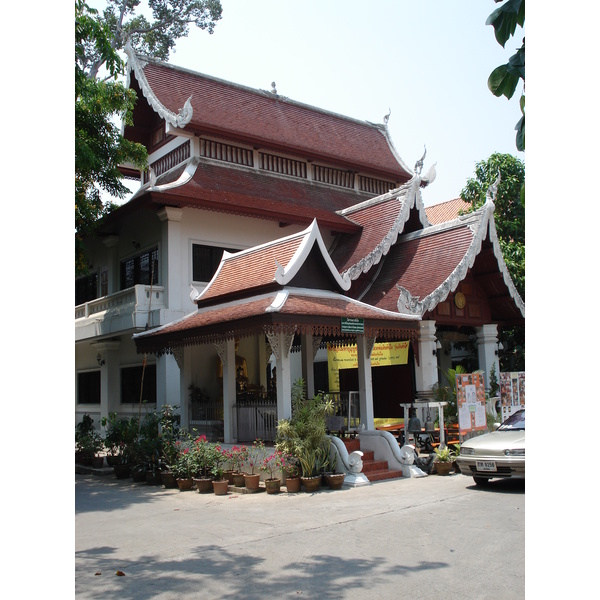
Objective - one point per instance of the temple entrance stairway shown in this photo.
(374, 470)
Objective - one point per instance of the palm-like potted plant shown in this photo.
(304, 435)
(444, 459)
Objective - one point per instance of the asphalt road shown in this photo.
(422, 538)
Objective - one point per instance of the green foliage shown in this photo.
(445, 454)
(87, 440)
(504, 79)
(494, 388)
(100, 103)
(509, 217)
(446, 392)
(121, 435)
(303, 436)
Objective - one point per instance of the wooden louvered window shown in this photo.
(284, 166)
(227, 152)
(376, 186)
(333, 176)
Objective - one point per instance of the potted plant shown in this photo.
(291, 470)
(256, 455)
(220, 484)
(203, 454)
(272, 465)
(184, 469)
(119, 440)
(304, 435)
(237, 456)
(88, 443)
(444, 459)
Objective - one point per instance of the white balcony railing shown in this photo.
(125, 310)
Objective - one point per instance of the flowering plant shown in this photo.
(237, 456)
(184, 467)
(274, 463)
(203, 456)
(219, 457)
(290, 466)
(256, 455)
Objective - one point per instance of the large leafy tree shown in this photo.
(504, 79)
(102, 100)
(509, 217)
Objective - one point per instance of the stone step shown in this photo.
(374, 470)
(383, 475)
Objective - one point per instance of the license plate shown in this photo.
(486, 465)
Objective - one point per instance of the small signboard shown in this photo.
(470, 400)
(350, 325)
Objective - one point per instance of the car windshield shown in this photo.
(515, 421)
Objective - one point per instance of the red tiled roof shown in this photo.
(320, 311)
(257, 194)
(258, 117)
(251, 269)
(446, 211)
(420, 265)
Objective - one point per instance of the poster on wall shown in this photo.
(512, 393)
(470, 401)
(346, 357)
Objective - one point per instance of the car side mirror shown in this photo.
(495, 426)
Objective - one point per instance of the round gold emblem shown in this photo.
(460, 300)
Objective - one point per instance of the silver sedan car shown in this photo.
(500, 453)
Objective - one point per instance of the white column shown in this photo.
(170, 265)
(168, 386)
(226, 352)
(281, 344)
(487, 345)
(365, 381)
(109, 377)
(426, 373)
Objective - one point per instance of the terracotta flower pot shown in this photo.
(239, 480)
(168, 479)
(311, 484)
(220, 487)
(273, 486)
(185, 484)
(204, 484)
(335, 480)
(292, 484)
(443, 468)
(252, 482)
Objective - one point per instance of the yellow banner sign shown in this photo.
(345, 357)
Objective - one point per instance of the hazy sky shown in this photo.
(427, 61)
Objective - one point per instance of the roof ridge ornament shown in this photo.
(419, 163)
(387, 117)
(492, 191)
(184, 115)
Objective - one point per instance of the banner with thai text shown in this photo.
(346, 357)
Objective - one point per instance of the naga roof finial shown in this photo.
(419, 163)
(492, 191)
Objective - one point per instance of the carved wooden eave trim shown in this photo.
(136, 64)
(480, 222)
(409, 195)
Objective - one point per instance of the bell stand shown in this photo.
(426, 404)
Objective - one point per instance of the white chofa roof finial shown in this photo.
(273, 88)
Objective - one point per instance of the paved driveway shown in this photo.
(432, 537)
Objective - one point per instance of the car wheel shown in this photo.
(481, 480)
